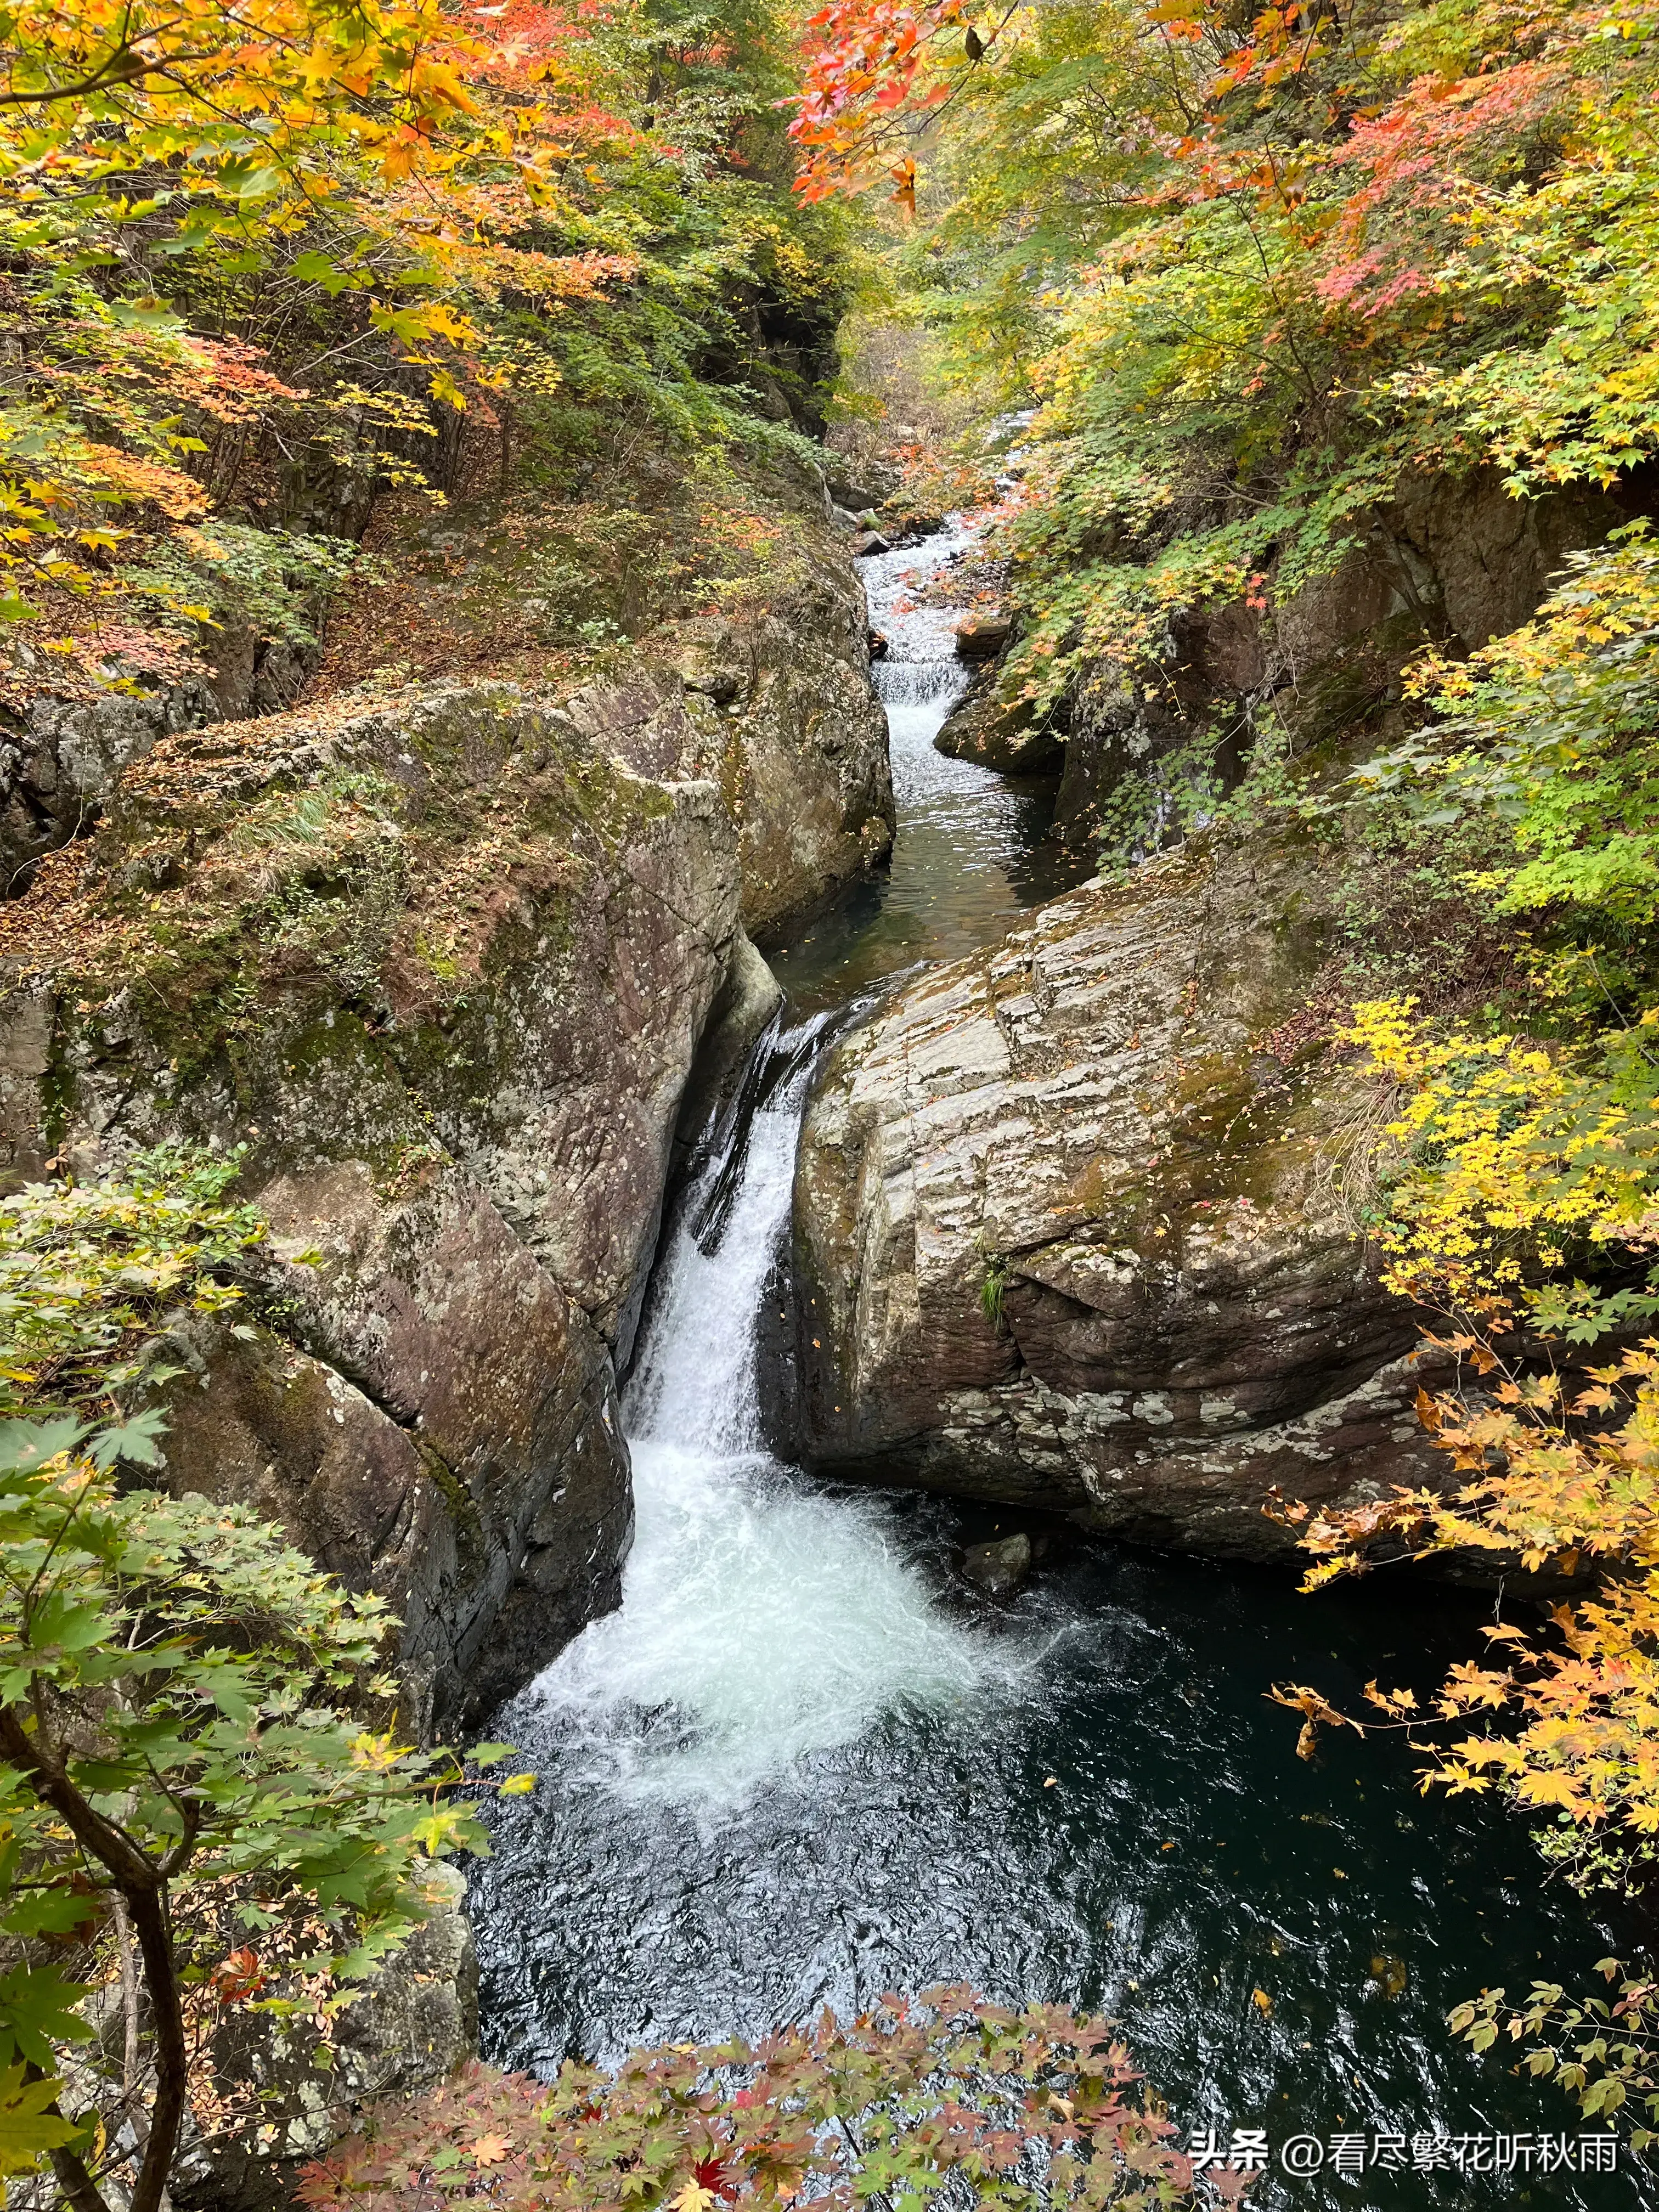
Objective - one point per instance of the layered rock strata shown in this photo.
(1077, 1221)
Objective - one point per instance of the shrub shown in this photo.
(1032, 2108)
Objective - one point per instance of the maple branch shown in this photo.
(125, 63)
(143, 1887)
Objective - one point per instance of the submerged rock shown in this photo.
(1081, 1239)
(1000, 1568)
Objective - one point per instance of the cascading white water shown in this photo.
(919, 679)
(693, 1385)
(792, 1771)
(971, 855)
(762, 1620)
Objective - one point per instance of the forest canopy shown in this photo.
(263, 259)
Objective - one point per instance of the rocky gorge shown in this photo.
(1067, 1228)
(828, 1107)
(1076, 1223)
(442, 964)
(1037, 1226)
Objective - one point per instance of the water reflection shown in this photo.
(972, 855)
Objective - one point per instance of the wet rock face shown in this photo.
(1075, 1237)
(1000, 1569)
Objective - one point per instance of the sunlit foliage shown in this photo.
(262, 256)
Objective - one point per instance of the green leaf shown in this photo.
(38, 2014)
(148, 313)
(28, 2127)
(318, 269)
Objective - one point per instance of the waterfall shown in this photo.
(919, 679)
(793, 1769)
(763, 1619)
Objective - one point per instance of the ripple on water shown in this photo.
(800, 1767)
(800, 1772)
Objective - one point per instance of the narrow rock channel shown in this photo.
(808, 1762)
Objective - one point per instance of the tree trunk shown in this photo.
(150, 1922)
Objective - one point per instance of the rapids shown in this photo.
(803, 1766)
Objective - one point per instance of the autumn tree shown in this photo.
(265, 258)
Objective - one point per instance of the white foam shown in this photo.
(762, 1619)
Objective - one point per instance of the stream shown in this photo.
(803, 1765)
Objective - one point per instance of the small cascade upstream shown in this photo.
(972, 855)
(803, 1765)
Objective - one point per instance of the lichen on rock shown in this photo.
(442, 962)
(1080, 1240)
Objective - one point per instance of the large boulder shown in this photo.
(780, 717)
(442, 966)
(1077, 1222)
(445, 964)
(983, 634)
(1010, 737)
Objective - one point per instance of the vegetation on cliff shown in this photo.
(265, 260)
(203, 1802)
(1281, 290)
